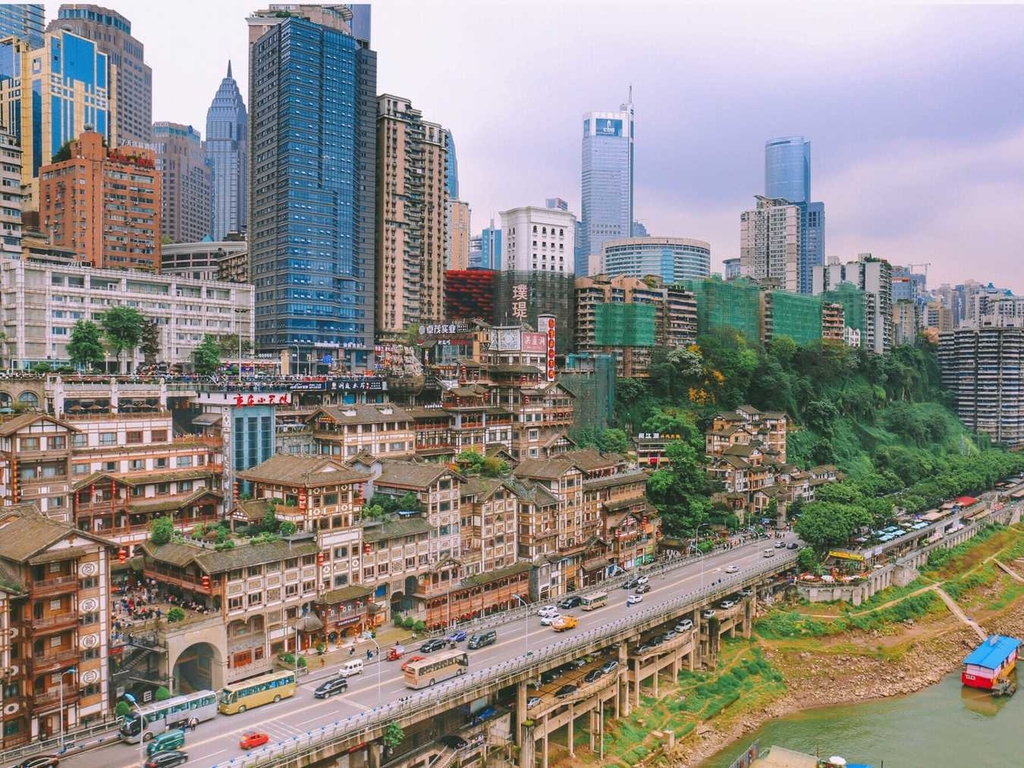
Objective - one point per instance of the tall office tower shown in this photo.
(24, 21)
(456, 235)
(490, 247)
(732, 268)
(607, 181)
(133, 79)
(874, 277)
(412, 204)
(10, 194)
(49, 95)
(312, 87)
(770, 240)
(227, 155)
(538, 240)
(82, 204)
(639, 230)
(452, 175)
(673, 259)
(181, 159)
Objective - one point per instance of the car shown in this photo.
(252, 739)
(642, 589)
(610, 666)
(533, 701)
(548, 610)
(634, 599)
(39, 761)
(768, 553)
(453, 741)
(551, 675)
(570, 602)
(746, 592)
(593, 675)
(457, 636)
(576, 664)
(161, 759)
(328, 688)
(684, 626)
(670, 635)
(433, 644)
(726, 604)
(780, 545)
(631, 584)
(548, 618)
(411, 660)
(792, 545)
(732, 569)
(709, 613)
(484, 715)
(656, 640)
(566, 690)
(644, 648)
(643, 580)
(562, 623)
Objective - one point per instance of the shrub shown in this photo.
(122, 709)
(175, 614)
(398, 620)
(287, 657)
(162, 694)
(220, 546)
(419, 626)
(321, 648)
(302, 662)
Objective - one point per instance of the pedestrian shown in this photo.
(321, 661)
(352, 649)
(369, 654)
(192, 723)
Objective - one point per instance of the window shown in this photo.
(160, 463)
(79, 441)
(234, 603)
(340, 553)
(255, 570)
(80, 469)
(159, 436)
(137, 464)
(30, 443)
(255, 598)
(108, 438)
(58, 442)
(184, 461)
(134, 437)
(291, 590)
(88, 583)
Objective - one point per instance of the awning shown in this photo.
(207, 419)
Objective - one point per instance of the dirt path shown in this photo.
(1009, 571)
(957, 611)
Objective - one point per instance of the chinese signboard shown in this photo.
(546, 323)
(607, 127)
(347, 384)
(520, 295)
(262, 398)
(657, 436)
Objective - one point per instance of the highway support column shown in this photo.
(527, 745)
(623, 706)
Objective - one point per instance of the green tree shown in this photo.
(807, 560)
(161, 531)
(85, 348)
(123, 328)
(62, 154)
(206, 357)
(228, 344)
(393, 736)
(122, 709)
(150, 345)
(613, 440)
(162, 694)
(827, 524)
(175, 614)
(680, 492)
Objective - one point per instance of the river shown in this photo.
(944, 725)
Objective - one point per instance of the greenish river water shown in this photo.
(944, 726)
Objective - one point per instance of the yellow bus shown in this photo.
(434, 669)
(596, 600)
(257, 691)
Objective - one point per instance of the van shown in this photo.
(480, 639)
(166, 741)
(351, 667)
(768, 553)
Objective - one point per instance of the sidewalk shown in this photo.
(337, 654)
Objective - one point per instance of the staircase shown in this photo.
(446, 759)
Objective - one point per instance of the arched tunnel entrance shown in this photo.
(198, 668)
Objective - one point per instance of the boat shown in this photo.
(990, 665)
(780, 757)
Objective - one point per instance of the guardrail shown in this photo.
(53, 745)
(503, 673)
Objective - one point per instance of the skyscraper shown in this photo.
(490, 247)
(227, 156)
(133, 79)
(607, 181)
(311, 217)
(412, 213)
(456, 236)
(10, 194)
(452, 176)
(181, 160)
(770, 240)
(787, 176)
(24, 21)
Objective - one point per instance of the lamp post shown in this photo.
(142, 725)
(72, 671)
(527, 607)
(297, 358)
(696, 535)
(370, 637)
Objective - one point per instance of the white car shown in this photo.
(548, 618)
(548, 610)
(684, 626)
(726, 604)
(634, 599)
(643, 580)
(732, 569)
(709, 613)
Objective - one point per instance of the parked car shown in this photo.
(547, 618)
(643, 579)
(670, 635)
(328, 688)
(610, 666)
(570, 602)
(644, 648)
(631, 584)
(411, 659)
(433, 644)
(562, 623)
(548, 610)
(593, 675)
(484, 715)
(159, 760)
(566, 690)
(748, 592)
(643, 589)
(576, 663)
(726, 604)
(780, 545)
(732, 569)
(684, 626)
(709, 613)
(634, 599)
(656, 640)
(551, 675)
(533, 701)
(768, 553)
(457, 636)
(253, 739)
(39, 761)
(793, 545)
(452, 741)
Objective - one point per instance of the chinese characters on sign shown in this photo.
(547, 326)
(249, 400)
(444, 329)
(656, 436)
(520, 294)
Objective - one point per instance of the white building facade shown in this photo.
(538, 240)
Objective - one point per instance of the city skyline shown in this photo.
(891, 152)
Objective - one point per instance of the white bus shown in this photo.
(596, 600)
(171, 713)
(434, 669)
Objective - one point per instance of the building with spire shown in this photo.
(132, 77)
(227, 157)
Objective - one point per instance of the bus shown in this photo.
(257, 691)
(172, 713)
(596, 600)
(434, 669)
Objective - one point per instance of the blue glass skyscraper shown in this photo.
(490, 247)
(787, 175)
(227, 156)
(452, 178)
(24, 21)
(312, 157)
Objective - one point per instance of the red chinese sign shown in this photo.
(242, 401)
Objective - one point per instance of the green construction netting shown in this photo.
(852, 299)
(734, 304)
(624, 325)
(796, 315)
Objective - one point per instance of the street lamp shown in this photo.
(527, 607)
(368, 636)
(696, 535)
(72, 671)
(142, 725)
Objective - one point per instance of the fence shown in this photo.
(71, 740)
(503, 674)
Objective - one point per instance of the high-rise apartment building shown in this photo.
(770, 243)
(457, 235)
(312, 158)
(24, 21)
(607, 181)
(49, 95)
(872, 276)
(412, 209)
(452, 171)
(185, 179)
(787, 176)
(133, 78)
(670, 258)
(10, 194)
(227, 156)
(103, 204)
(538, 240)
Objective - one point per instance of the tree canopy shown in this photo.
(680, 491)
(123, 328)
(206, 357)
(85, 348)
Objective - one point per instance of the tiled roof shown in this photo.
(483, 487)
(241, 556)
(252, 510)
(12, 425)
(623, 478)
(532, 492)
(362, 413)
(500, 573)
(351, 592)
(168, 504)
(418, 412)
(395, 529)
(24, 532)
(621, 504)
(410, 474)
(544, 469)
(303, 471)
(591, 460)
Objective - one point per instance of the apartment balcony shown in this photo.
(53, 661)
(57, 586)
(52, 624)
(51, 698)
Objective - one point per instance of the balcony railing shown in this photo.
(54, 660)
(52, 698)
(53, 623)
(52, 586)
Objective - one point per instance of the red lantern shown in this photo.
(206, 581)
(122, 555)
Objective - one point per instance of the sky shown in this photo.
(913, 111)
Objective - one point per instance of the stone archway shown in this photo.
(6, 402)
(198, 668)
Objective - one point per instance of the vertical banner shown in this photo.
(546, 325)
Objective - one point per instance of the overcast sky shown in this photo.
(914, 112)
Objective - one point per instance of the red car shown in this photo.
(253, 739)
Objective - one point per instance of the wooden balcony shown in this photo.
(51, 698)
(53, 661)
(56, 586)
(50, 624)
